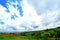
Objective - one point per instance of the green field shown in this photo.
(49, 34)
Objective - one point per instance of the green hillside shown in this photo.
(49, 34)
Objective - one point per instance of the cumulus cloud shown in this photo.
(27, 15)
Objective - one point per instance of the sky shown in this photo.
(29, 15)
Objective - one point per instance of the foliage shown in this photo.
(44, 34)
(49, 34)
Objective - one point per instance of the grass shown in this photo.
(51, 34)
(15, 37)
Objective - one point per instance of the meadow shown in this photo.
(48, 34)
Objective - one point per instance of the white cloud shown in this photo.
(37, 15)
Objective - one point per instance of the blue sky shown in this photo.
(4, 3)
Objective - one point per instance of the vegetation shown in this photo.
(49, 34)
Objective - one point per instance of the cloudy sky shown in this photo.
(29, 15)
